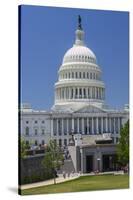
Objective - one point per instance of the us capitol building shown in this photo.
(79, 108)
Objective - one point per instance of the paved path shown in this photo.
(60, 179)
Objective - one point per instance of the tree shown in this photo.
(53, 159)
(23, 147)
(123, 146)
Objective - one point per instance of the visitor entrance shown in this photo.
(109, 162)
(89, 163)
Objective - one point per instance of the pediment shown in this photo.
(90, 109)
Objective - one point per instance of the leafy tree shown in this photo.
(123, 146)
(53, 159)
(23, 147)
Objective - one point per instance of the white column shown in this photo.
(73, 92)
(78, 125)
(57, 130)
(91, 92)
(83, 126)
(114, 125)
(88, 125)
(106, 122)
(102, 124)
(78, 92)
(67, 125)
(62, 121)
(86, 93)
(82, 92)
(92, 125)
(95, 93)
(52, 127)
(97, 125)
(73, 124)
(69, 93)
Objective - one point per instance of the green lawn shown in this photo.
(84, 183)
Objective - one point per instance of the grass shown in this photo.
(84, 183)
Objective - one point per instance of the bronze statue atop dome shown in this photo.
(79, 23)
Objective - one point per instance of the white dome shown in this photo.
(80, 54)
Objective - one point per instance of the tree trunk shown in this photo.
(54, 179)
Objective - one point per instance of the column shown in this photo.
(95, 93)
(52, 128)
(88, 125)
(78, 125)
(86, 93)
(91, 92)
(78, 93)
(106, 123)
(102, 125)
(72, 124)
(114, 125)
(92, 125)
(82, 92)
(57, 130)
(73, 92)
(62, 121)
(67, 126)
(82, 125)
(97, 125)
(70, 93)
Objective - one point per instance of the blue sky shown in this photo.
(47, 33)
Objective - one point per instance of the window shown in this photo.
(27, 122)
(79, 74)
(36, 142)
(27, 131)
(83, 74)
(43, 131)
(43, 122)
(76, 75)
(35, 121)
(35, 131)
(90, 75)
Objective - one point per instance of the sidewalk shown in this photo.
(60, 179)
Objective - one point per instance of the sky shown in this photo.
(48, 32)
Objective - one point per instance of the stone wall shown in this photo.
(31, 170)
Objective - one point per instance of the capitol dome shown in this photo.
(79, 53)
(79, 83)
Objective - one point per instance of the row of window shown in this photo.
(27, 131)
(35, 122)
(36, 143)
(80, 75)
